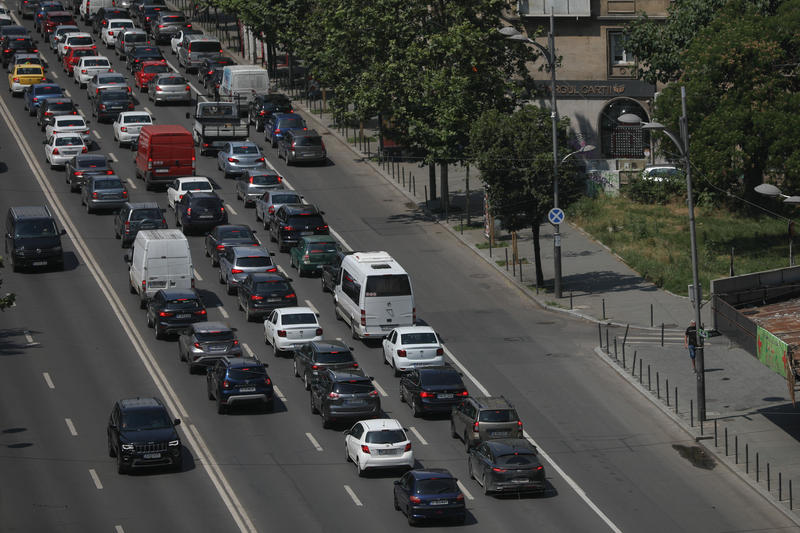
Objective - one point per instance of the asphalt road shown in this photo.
(77, 341)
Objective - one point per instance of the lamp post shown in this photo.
(682, 144)
(549, 54)
(772, 191)
(582, 149)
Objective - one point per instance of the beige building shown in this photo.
(596, 80)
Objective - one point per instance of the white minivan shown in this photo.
(89, 8)
(241, 82)
(373, 294)
(159, 259)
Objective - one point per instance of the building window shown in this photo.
(618, 56)
(620, 141)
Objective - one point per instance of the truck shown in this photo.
(216, 123)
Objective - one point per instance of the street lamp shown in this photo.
(582, 149)
(682, 144)
(549, 54)
(773, 192)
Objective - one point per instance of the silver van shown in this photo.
(194, 48)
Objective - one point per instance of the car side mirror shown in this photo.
(346, 432)
(396, 482)
(88, 122)
(126, 258)
(113, 426)
(188, 115)
(209, 370)
(62, 232)
(254, 231)
(163, 211)
(272, 254)
(177, 422)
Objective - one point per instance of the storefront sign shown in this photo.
(602, 89)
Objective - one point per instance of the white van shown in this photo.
(89, 8)
(373, 294)
(241, 82)
(159, 259)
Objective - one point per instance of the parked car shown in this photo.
(293, 221)
(311, 253)
(238, 261)
(88, 66)
(142, 434)
(344, 395)
(169, 88)
(287, 328)
(136, 216)
(302, 146)
(173, 310)
(62, 147)
(264, 105)
(199, 210)
(181, 186)
(432, 389)
(105, 80)
(234, 158)
(430, 494)
(259, 294)
(412, 347)
(507, 465)
(269, 201)
(482, 418)
(146, 71)
(110, 103)
(277, 123)
(330, 272)
(313, 357)
(128, 125)
(380, 443)
(203, 343)
(239, 380)
(255, 183)
(52, 108)
(103, 192)
(82, 166)
(225, 236)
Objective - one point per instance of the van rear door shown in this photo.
(172, 155)
(388, 303)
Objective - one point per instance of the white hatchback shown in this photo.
(69, 124)
(88, 66)
(378, 443)
(181, 186)
(114, 29)
(128, 125)
(62, 147)
(288, 328)
(412, 346)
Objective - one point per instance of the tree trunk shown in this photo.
(537, 255)
(432, 180)
(445, 190)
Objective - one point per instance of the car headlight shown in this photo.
(127, 447)
(175, 442)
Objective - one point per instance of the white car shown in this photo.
(62, 147)
(412, 346)
(178, 188)
(69, 124)
(287, 328)
(378, 443)
(178, 37)
(60, 33)
(128, 124)
(88, 66)
(74, 39)
(113, 29)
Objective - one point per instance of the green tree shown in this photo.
(514, 153)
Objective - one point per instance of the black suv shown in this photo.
(312, 358)
(344, 395)
(262, 292)
(225, 236)
(173, 310)
(32, 238)
(82, 166)
(166, 25)
(14, 44)
(293, 221)
(199, 210)
(51, 108)
(433, 389)
(133, 217)
(264, 105)
(110, 103)
(482, 418)
(235, 380)
(142, 434)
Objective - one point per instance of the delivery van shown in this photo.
(241, 82)
(164, 152)
(159, 259)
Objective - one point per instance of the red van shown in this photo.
(164, 153)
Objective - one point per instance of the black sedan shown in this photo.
(264, 105)
(260, 293)
(222, 237)
(435, 389)
(141, 53)
(173, 310)
(82, 166)
(110, 103)
(507, 465)
(203, 343)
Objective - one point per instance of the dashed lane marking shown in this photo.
(311, 306)
(353, 496)
(380, 389)
(230, 208)
(29, 339)
(249, 350)
(112, 157)
(314, 442)
(197, 275)
(417, 434)
(223, 312)
(46, 376)
(467, 493)
(97, 134)
(279, 394)
(71, 427)
(96, 479)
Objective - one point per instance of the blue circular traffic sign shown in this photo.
(556, 216)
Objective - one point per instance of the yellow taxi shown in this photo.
(24, 75)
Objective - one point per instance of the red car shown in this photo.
(54, 19)
(74, 54)
(147, 70)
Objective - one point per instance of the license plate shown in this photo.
(206, 216)
(306, 233)
(247, 389)
(445, 396)
(354, 402)
(156, 284)
(161, 170)
(439, 502)
(520, 480)
(273, 300)
(39, 263)
(183, 315)
(386, 452)
(387, 328)
(498, 433)
(152, 456)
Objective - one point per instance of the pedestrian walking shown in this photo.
(690, 341)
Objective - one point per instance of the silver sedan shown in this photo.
(255, 183)
(239, 261)
(103, 192)
(235, 158)
(169, 88)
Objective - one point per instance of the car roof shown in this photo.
(492, 402)
(141, 205)
(430, 473)
(351, 374)
(238, 362)
(510, 446)
(377, 424)
(328, 345)
(139, 403)
(180, 293)
(206, 327)
(415, 329)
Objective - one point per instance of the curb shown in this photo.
(695, 435)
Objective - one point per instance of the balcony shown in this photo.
(561, 8)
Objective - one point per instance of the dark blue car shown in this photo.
(239, 381)
(430, 494)
(36, 94)
(278, 123)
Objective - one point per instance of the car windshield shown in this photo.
(254, 261)
(272, 286)
(247, 373)
(135, 38)
(418, 338)
(285, 199)
(293, 319)
(291, 122)
(436, 486)
(207, 203)
(385, 436)
(246, 149)
(334, 357)
(68, 141)
(116, 78)
(96, 63)
(517, 459)
(207, 336)
(235, 233)
(441, 378)
(205, 46)
(59, 106)
(137, 119)
(184, 303)
(70, 123)
(498, 415)
(80, 41)
(30, 70)
(171, 80)
(107, 184)
(322, 248)
(308, 141)
(35, 228)
(114, 95)
(91, 162)
(155, 69)
(143, 419)
(146, 214)
(53, 89)
(356, 386)
(61, 18)
(265, 179)
(388, 285)
(196, 186)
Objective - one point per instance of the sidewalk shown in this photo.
(743, 397)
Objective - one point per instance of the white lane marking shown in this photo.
(97, 134)
(112, 157)
(311, 306)
(96, 479)
(55, 76)
(282, 271)
(230, 208)
(418, 435)
(380, 389)
(29, 338)
(194, 441)
(339, 238)
(71, 427)
(353, 496)
(467, 494)
(147, 111)
(132, 184)
(466, 372)
(223, 312)
(279, 394)
(249, 350)
(66, 93)
(46, 376)
(197, 275)
(314, 442)
(118, 529)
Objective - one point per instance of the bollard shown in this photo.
(702, 424)
(506, 251)
(736, 449)
(490, 248)
(623, 355)
(757, 471)
(676, 400)
(615, 349)
(790, 495)
(403, 176)
(691, 413)
(414, 185)
(513, 267)
(726, 442)
(604, 308)
(746, 458)
(600, 334)
(649, 381)
(368, 151)
(662, 334)
(633, 368)
(666, 388)
(780, 486)
(640, 371)
(658, 386)
(651, 315)
(608, 346)
(520, 271)
(570, 300)
(461, 223)
(769, 480)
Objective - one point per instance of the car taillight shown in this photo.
(271, 209)
(150, 165)
(414, 499)
(102, 106)
(236, 271)
(267, 381)
(260, 160)
(83, 71)
(49, 114)
(288, 228)
(16, 80)
(201, 312)
(158, 88)
(55, 151)
(495, 469)
(188, 26)
(78, 173)
(425, 394)
(363, 317)
(408, 447)
(373, 394)
(290, 296)
(364, 447)
(123, 128)
(210, 72)
(475, 427)
(355, 365)
(35, 98)
(222, 209)
(124, 194)
(189, 212)
(84, 149)
(462, 393)
(161, 26)
(334, 396)
(281, 333)
(220, 247)
(233, 160)
(262, 112)
(226, 384)
(277, 130)
(460, 497)
(401, 353)
(188, 88)
(111, 32)
(519, 424)
(322, 228)
(319, 332)
(256, 297)
(127, 227)
(130, 105)
(165, 313)
(314, 367)
(293, 145)
(94, 195)
(439, 351)
(197, 345)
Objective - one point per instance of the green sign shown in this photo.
(772, 351)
